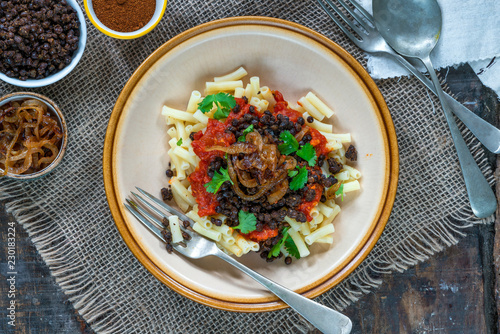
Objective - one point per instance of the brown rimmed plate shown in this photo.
(294, 60)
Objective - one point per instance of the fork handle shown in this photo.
(325, 319)
(481, 197)
(486, 133)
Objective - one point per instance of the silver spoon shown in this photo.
(412, 29)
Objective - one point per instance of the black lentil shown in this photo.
(186, 235)
(166, 194)
(321, 160)
(334, 166)
(216, 222)
(351, 153)
(167, 235)
(329, 181)
(310, 195)
(37, 38)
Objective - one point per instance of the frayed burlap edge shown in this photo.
(58, 253)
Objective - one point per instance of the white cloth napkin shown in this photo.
(470, 33)
(488, 72)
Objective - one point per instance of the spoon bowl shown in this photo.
(412, 28)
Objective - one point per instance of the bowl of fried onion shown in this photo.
(33, 135)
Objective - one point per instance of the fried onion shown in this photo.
(302, 133)
(256, 139)
(29, 137)
(236, 148)
(278, 193)
(245, 179)
(330, 193)
(263, 189)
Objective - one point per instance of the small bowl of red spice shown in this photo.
(125, 19)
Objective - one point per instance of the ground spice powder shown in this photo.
(124, 15)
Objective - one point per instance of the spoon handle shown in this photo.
(486, 133)
(482, 199)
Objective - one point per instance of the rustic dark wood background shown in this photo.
(457, 291)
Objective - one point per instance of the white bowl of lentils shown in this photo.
(42, 41)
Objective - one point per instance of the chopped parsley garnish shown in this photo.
(292, 173)
(179, 142)
(248, 222)
(290, 246)
(223, 101)
(299, 180)
(245, 132)
(275, 251)
(290, 144)
(340, 191)
(308, 153)
(217, 180)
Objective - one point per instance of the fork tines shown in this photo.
(151, 221)
(164, 205)
(360, 20)
(140, 214)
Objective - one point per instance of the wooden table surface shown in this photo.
(453, 292)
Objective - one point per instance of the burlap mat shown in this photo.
(67, 215)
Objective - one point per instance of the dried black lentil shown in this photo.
(351, 153)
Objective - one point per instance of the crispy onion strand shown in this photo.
(330, 193)
(263, 189)
(29, 137)
(278, 193)
(302, 133)
(236, 148)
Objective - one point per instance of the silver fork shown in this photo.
(324, 318)
(370, 40)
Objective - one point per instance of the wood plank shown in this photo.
(441, 295)
(496, 251)
(41, 306)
